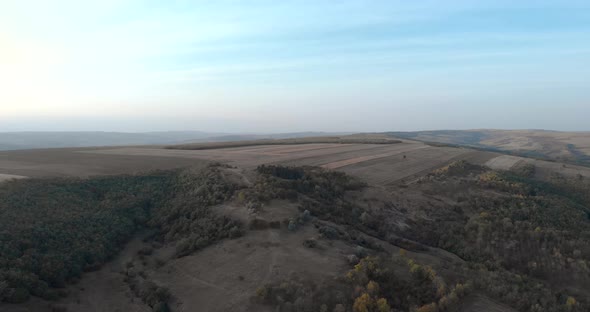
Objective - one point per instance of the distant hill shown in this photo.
(573, 147)
(37, 140)
(32, 140)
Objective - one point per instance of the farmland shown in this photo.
(375, 163)
(378, 163)
(361, 199)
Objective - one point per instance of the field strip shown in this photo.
(278, 150)
(322, 157)
(319, 157)
(390, 169)
(292, 152)
(416, 175)
(356, 160)
(504, 162)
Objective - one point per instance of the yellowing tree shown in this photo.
(382, 305)
(363, 303)
(570, 303)
(373, 288)
(428, 308)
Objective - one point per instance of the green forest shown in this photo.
(519, 240)
(53, 230)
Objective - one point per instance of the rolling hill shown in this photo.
(571, 147)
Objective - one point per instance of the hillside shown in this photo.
(455, 237)
(323, 224)
(572, 147)
(36, 140)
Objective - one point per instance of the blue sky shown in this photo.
(280, 66)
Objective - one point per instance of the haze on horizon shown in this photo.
(287, 66)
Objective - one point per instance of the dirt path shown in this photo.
(273, 237)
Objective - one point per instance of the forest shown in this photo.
(517, 239)
(522, 241)
(53, 230)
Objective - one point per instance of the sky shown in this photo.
(287, 66)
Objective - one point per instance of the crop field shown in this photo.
(375, 163)
(504, 162)
(394, 168)
(83, 162)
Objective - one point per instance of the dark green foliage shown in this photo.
(312, 182)
(320, 192)
(188, 217)
(526, 171)
(525, 240)
(52, 230)
(17, 295)
(160, 307)
(330, 232)
(310, 243)
(289, 173)
(150, 293)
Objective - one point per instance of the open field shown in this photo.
(375, 163)
(82, 162)
(504, 162)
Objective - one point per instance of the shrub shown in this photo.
(161, 307)
(310, 243)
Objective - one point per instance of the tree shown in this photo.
(570, 303)
(363, 303)
(432, 307)
(382, 305)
